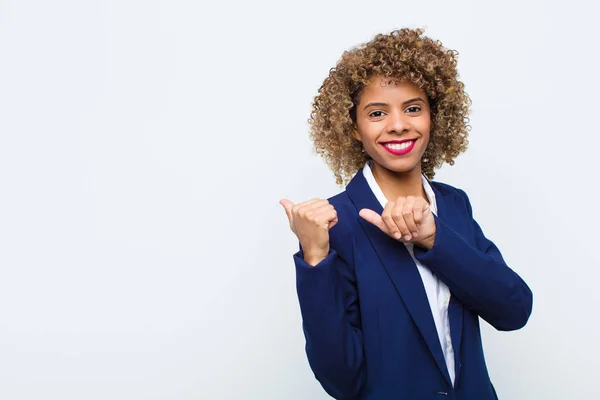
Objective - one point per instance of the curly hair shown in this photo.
(403, 55)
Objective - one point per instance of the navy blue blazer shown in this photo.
(367, 322)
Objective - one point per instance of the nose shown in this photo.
(398, 122)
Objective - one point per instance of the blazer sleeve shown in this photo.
(331, 322)
(478, 275)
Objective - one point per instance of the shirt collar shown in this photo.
(368, 173)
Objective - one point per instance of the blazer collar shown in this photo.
(403, 272)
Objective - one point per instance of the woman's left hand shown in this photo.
(407, 219)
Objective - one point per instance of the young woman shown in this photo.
(394, 273)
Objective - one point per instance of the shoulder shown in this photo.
(343, 232)
(341, 199)
(458, 194)
(343, 205)
(446, 189)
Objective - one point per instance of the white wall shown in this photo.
(141, 140)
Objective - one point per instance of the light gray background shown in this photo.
(144, 147)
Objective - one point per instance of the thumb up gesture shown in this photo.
(407, 219)
(311, 221)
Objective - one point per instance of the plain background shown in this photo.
(144, 147)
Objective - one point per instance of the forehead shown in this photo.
(390, 90)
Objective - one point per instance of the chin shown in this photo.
(399, 167)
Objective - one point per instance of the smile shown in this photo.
(399, 149)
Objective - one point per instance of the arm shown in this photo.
(478, 276)
(331, 321)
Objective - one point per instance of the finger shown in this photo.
(329, 213)
(333, 222)
(322, 207)
(321, 213)
(374, 218)
(316, 211)
(307, 203)
(287, 205)
(326, 217)
(302, 208)
(398, 217)
(390, 222)
(418, 210)
(407, 213)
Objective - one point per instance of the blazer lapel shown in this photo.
(446, 205)
(400, 267)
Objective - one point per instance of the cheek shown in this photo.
(426, 135)
(426, 139)
(367, 136)
(425, 123)
(425, 129)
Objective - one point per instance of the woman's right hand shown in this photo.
(311, 221)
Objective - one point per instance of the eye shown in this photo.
(413, 109)
(376, 114)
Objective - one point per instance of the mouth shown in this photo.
(399, 147)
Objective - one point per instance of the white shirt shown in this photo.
(438, 293)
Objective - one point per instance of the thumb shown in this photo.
(287, 205)
(373, 218)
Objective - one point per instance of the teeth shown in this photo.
(398, 146)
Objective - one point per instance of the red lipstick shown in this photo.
(400, 152)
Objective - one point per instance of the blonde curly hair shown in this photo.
(402, 55)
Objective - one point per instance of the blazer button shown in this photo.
(442, 393)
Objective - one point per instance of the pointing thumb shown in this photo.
(287, 205)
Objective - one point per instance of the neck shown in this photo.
(395, 184)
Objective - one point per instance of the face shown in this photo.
(393, 121)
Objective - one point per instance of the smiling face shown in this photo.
(393, 121)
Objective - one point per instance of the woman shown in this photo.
(394, 273)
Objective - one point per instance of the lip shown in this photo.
(403, 151)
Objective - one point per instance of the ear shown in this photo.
(355, 133)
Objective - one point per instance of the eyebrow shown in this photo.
(385, 104)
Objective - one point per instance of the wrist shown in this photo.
(312, 258)
(427, 243)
